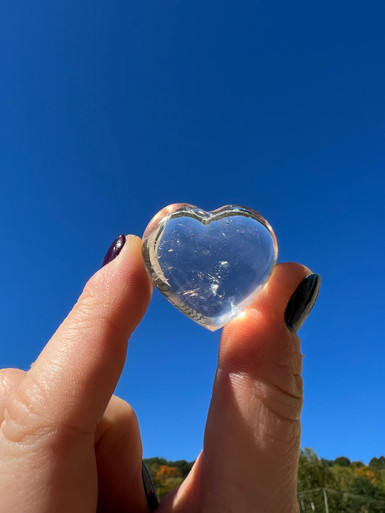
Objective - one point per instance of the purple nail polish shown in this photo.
(114, 250)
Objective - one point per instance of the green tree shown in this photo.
(342, 461)
(312, 472)
(344, 476)
(356, 464)
(377, 463)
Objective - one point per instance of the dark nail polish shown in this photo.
(149, 488)
(302, 301)
(114, 249)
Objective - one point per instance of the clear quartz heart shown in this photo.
(209, 265)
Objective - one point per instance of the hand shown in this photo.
(67, 445)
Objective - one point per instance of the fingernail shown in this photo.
(114, 250)
(302, 301)
(149, 488)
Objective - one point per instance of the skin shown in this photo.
(67, 444)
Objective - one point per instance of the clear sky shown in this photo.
(111, 110)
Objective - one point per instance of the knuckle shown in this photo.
(4, 384)
(118, 423)
(280, 400)
(23, 419)
(30, 417)
(9, 378)
(282, 392)
(283, 404)
(84, 309)
(125, 416)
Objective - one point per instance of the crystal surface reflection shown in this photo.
(210, 265)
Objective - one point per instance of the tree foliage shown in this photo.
(340, 485)
(167, 475)
(342, 461)
(377, 463)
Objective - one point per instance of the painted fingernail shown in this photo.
(114, 249)
(302, 301)
(149, 488)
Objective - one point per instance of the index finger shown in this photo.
(75, 375)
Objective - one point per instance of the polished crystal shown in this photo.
(210, 265)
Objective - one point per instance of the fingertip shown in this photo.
(282, 284)
(131, 261)
(273, 299)
(260, 333)
(125, 272)
(133, 270)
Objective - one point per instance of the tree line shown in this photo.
(324, 486)
(340, 485)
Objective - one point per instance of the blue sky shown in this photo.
(110, 111)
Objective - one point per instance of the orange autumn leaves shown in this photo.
(167, 475)
(165, 472)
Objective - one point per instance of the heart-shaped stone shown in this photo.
(210, 265)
